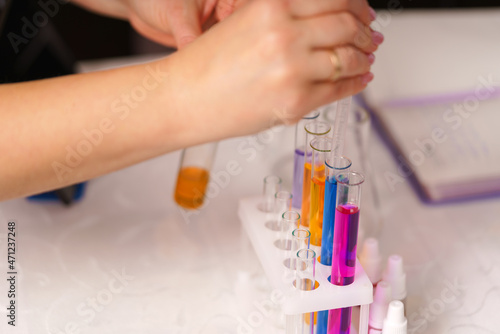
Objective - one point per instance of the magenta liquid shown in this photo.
(345, 239)
(339, 321)
(298, 178)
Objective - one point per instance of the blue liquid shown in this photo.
(322, 324)
(298, 178)
(328, 221)
(327, 239)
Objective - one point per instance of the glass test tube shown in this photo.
(333, 166)
(282, 203)
(313, 129)
(345, 238)
(300, 240)
(194, 174)
(272, 184)
(321, 148)
(298, 165)
(306, 280)
(289, 221)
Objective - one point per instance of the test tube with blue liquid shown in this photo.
(298, 164)
(345, 239)
(333, 166)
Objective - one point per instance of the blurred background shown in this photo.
(92, 36)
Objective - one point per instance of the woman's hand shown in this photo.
(168, 22)
(272, 62)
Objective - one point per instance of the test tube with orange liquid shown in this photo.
(194, 174)
(322, 146)
(313, 130)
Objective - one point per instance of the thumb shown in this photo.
(185, 21)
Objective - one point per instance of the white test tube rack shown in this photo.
(326, 296)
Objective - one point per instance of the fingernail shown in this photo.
(366, 78)
(377, 38)
(373, 15)
(371, 58)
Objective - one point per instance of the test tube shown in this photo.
(333, 166)
(340, 125)
(298, 165)
(313, 130)
(300, 240)
(272, 184)
(306, 281)
(194, 174)
(282, 203)
(345, 237)
(289, 221)
(321, 148)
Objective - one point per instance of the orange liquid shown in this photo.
(317, 204)
(307, 318)
(306, 194)
(191, 185)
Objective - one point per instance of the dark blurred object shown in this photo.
(91, 36)
(384, 4)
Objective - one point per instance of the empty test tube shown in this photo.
(272, 184)
(306, 280)
(282, 203)
(289, 221)
(300, 240)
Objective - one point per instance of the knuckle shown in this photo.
(185, 39)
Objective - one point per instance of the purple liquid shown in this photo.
(298, 178)
(345, 239)
(339, 321)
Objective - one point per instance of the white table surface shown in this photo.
(197, 273)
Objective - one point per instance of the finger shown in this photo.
(346, 62)
(185, 21)
(224, 8)
(307, 8)
(340, 29)
(326, 92)
(152, 33)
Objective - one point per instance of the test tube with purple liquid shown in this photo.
(345, 239)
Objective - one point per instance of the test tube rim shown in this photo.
(273, 176)
(330, 165)
(328, 128)
(283, 191)
(290, 211)
(301, 230)
(312, 115)
(346, 181)
(316, 142)
(308, 250)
